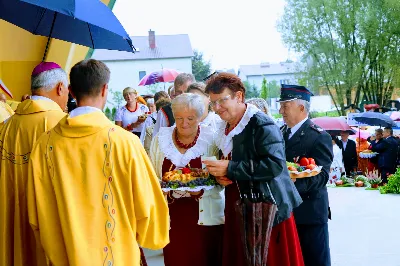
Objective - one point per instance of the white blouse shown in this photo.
(212, 120)
(127, 117)
(225, 142)
(212, 203)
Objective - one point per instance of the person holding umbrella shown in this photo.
(305, 139)
(252, 151)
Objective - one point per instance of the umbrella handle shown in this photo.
(48, 39)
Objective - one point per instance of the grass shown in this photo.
(370, 188)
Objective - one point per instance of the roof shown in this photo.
(267, 69)
(167, 46)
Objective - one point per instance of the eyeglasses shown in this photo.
(220, 102)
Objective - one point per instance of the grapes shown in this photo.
(302, 168)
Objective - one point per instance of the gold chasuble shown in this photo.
(93, 195)
(31, 119)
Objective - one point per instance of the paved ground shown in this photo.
(364, 231)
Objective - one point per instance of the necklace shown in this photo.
(227, 131)
(132, 111)
(186, 146)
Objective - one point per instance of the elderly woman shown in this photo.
(132, 115)
(248, 135)
(197, 218)
(209, 118)
(261, 104)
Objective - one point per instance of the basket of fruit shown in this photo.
(367, 154)
(187, 179)
(305, 167)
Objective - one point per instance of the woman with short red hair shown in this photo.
(248, 137)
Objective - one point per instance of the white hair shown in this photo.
(190, 101)
(305, 104)
(49, 79)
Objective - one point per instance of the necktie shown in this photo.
(287, 134)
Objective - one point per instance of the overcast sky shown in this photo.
(229, 33)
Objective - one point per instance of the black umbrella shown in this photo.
(375, 119)
(85, 22)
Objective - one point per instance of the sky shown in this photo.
(229, 33)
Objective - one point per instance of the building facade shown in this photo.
(282, 73)
(153, 53)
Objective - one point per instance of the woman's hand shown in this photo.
(223, 181)
(217, 168)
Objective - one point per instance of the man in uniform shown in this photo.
(305, 139)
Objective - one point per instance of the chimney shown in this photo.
(152, 39)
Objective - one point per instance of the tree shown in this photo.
(117, 98)
(200, 68)
(349, 47)
(251, 90)
(264, 89)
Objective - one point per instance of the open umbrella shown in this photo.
(375, 119)
(86, 22)
(164, 75)
(333, 125)
(5, 89)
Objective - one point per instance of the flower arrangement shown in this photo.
(374, 178)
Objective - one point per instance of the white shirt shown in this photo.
(83, 110)
(147, 123)
(127, 117)
(296, 127)
(344, 144)
(161, 122)
(37, 97)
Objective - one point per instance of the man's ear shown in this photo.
(104, 90)
(60, 88)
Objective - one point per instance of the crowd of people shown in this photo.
(347, 160)
(77, 189)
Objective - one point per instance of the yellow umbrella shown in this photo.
(5, 112)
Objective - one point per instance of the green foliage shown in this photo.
(264, 89)
(323, 114)
(200, 68)
(251, 90)
(107, 112)
(393, 185)
(347, 46)
(113, 113)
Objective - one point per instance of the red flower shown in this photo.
(186, 170)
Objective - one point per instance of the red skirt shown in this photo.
(190, 243)
(284, 246)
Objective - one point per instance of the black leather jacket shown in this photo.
(261, 141)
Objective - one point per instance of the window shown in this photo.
(142, 74)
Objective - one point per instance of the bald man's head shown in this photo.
(3, 98)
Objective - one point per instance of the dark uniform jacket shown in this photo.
(387, 149)
(262, 142)
(311, 141)
(349, 155)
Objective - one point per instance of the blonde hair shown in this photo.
(128, 90)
